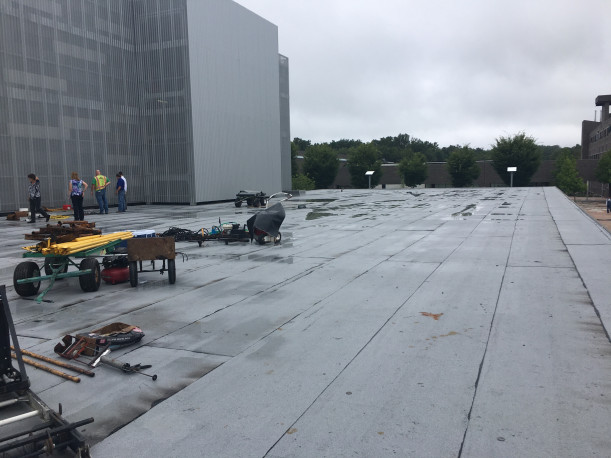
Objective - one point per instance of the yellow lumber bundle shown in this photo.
(79, 244)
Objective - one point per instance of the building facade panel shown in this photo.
(233, 59)
(66, 82)
(285, 124)
(163, 91)
(124, 84)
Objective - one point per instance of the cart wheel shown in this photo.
(249, 202)
(278, 238)
(133, 273)
(172, 271)
(52, 263)
(255, 202)
(90, 282)
(261, 239)
(238, 203)
(26, 270)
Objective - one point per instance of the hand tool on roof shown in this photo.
(124, 367)
(57, 363)
(61, 374)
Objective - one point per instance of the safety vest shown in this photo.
(100, 182)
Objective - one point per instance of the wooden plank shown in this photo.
(150, 249)
(64, 232)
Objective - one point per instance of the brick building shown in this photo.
(596, 136)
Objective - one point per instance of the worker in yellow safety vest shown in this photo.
(100, 182)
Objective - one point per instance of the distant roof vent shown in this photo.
(603, 101)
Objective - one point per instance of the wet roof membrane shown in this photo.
(433, 322)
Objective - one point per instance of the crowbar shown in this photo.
(125, 367)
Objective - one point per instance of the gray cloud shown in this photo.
(445, 71)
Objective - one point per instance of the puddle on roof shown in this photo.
(315, 215)
(270, 258)
(194, 215)
(338, 208)
(465, 211)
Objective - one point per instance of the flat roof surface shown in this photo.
(426, 322)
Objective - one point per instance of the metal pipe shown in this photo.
(10, 402)
(52, 431)
(23, 416)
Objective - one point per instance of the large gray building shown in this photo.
(188, 98)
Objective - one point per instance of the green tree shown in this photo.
(301, 144)
(518, 151)
(430, 150)
(344, 144)
(462, 167)
(603, 169)
(553, 152)
(361, 159)
(321, 165)
(303, 182)
(566, 175)
(413, 169)
(393, 149)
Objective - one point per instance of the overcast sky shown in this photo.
(446, 71)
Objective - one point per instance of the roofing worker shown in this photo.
(34, 198)
(121, 193)
(125, 186)
(76, 191)
(100, 182)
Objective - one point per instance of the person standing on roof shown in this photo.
(120, 191)
(76, 191)
(100, 182)
(125, 185)
(34, 199)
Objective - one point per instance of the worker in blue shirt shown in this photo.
(120, 191)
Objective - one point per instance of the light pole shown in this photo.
(511, 170)
(368, 174)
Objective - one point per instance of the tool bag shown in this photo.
(113, 336)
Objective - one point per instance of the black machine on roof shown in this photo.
(252, 198)
(263, 227)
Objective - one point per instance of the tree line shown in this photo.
(322, 160)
